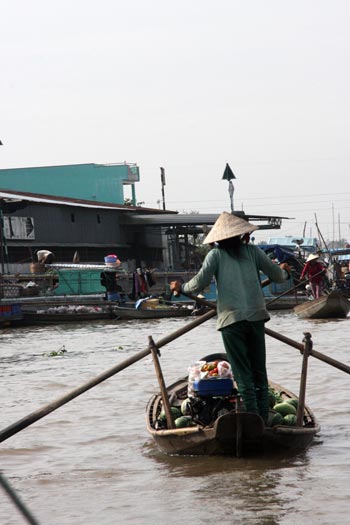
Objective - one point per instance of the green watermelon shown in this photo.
(285, 408)
(175, 413)
(275, 418)
(272, 399)
(290, 420)
(183, 422)
(186, 407)
(293, 401)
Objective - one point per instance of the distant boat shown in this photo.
(333, 305)
(10, 313)
(65, 314)
(159, 312)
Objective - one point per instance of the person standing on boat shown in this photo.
(315, 272)
(241, 308)
(140, 286)
(109, 279)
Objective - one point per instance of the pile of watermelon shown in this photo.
(283, 411)
(180, 415)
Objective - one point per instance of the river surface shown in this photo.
(92, 462)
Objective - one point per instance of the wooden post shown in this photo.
(302, 390)
(239, 429)
(162, 179)
(322, 357)
(163, 390)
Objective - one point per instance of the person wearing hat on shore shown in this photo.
(241, 308)
(315, 272)
(45, 256)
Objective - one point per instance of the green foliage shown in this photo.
(61, 351)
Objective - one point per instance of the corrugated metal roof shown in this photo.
(67, 201)
(137, 215)
(170, 220)
(182, 219)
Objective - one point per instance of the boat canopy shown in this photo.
(309, 244)
(281, 254)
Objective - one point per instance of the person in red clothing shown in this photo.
(315, 272)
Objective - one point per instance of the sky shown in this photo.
(189, 86)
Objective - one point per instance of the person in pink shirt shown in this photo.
(315, 271)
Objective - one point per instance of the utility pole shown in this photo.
(162, 178)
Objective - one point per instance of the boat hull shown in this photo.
(331, 306)
(233, 434)
(152, 313)
(32, 318)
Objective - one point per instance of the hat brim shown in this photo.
(312, 258)
(228, 225)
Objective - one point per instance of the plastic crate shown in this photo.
(213, 387)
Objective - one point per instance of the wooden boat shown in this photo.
(333, 305)
(10, 313)
(160, 312)
(62, 315)
(229, 432)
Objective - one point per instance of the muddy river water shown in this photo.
(91, 462)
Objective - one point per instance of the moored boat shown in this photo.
(231, 431)
(158, 312)
(65, 314)
(333, 305)
(10, 313)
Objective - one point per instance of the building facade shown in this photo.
(31, 222)
(80, 208)
(91, 182)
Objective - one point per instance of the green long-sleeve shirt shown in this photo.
(239, 293)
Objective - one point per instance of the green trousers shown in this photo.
(244, 343)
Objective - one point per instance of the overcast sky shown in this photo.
(189, 86)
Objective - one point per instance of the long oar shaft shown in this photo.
(264, 283)
(314, 353)
(17, 501)
(284, 339)
(50, 407)
(287, 292)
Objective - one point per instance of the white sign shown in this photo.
(19, 227)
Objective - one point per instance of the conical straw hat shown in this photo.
(228, 225)
(312, 257)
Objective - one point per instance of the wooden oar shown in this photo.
(263, 283)
(50, 407)
(161, 383)
(291, 289)
(287, 340)
(314, 353)
(302, 388)
(17, 501)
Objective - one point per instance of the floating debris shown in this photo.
(61, 351)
